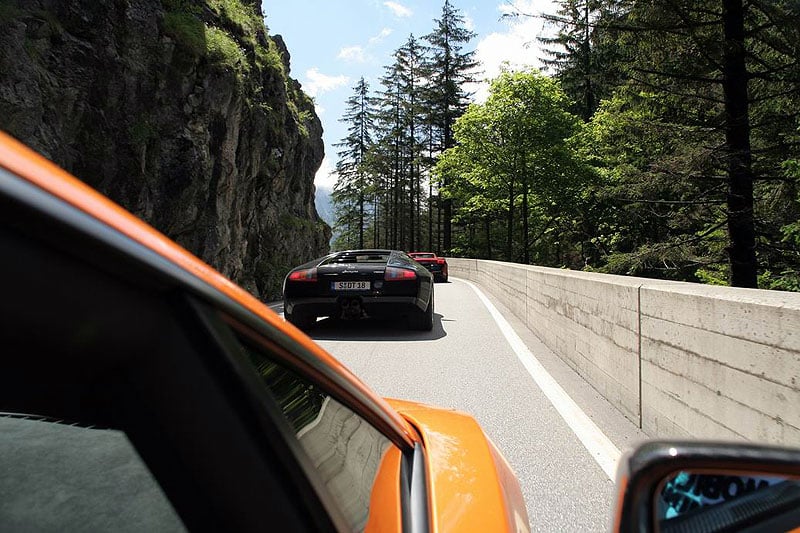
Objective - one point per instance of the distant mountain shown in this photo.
(322, 200)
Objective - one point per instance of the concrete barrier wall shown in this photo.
(679, 359)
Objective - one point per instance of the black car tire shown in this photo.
(300, 320)
(423, 321)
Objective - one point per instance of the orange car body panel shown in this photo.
(470, 485)
(385, 514)
(27, 164)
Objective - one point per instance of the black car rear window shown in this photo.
(376, 257)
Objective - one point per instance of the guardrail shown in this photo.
(679, 359)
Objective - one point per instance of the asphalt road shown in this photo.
(468, 364)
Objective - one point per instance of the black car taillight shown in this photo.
(399, 274)
(309, 274)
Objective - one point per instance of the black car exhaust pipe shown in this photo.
(351, 308)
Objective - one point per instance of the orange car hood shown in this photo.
(470, 484)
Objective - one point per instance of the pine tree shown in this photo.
(450, 70)
(584, 53)
(398, 151)
(350, 192)
(727, 66)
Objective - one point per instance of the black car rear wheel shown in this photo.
(300, 320)
(423, 320)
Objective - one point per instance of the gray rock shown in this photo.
(144, 105)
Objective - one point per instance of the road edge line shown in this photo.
(603, 451)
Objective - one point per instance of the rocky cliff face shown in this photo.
(183, 112)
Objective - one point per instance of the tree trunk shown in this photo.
(361, 212)
(526, 254)
(741, 228)
(439, 223)
(430, 188)
(510, 227)
(488, 224)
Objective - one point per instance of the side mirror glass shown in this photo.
(704, 487)
(727, 501)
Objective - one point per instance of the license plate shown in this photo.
(350, 285)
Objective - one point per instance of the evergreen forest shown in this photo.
(662, 140)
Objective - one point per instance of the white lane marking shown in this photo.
(600, 447)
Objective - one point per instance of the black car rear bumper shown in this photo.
(373, 306)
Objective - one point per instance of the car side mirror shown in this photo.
(704, 487)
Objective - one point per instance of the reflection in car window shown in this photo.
(346, 450)
(358, 258)
(60, 477)
(688, 491)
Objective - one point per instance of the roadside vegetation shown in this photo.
(662, 140)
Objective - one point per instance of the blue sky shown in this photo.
(333, 43)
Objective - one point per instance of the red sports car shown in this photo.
(437, 265)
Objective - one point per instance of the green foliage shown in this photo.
(713, 276)
(584, 54)
(299, 117)
(241, 15)
(238, 25)
(225, 51)
(270, 57)
(655, 215)
(513, 161)
(788, 280)
(245, 25)
(187, 30)
(641, 187)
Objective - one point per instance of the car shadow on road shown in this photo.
(371, 329)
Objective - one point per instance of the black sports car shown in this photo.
(358, 284)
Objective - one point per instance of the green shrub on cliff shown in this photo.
(187, 30)
(223, 49)
(241, 15)
(232, 38)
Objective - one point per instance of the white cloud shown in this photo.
(514, 49)
(352, 53)
(469, 24)
(399, 10)
(326, 176)
(385, 32)
(318, 83)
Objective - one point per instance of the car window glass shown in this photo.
(61, 477)
(403, 259)
(346, 450)
(358, 258)
(687, 492)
